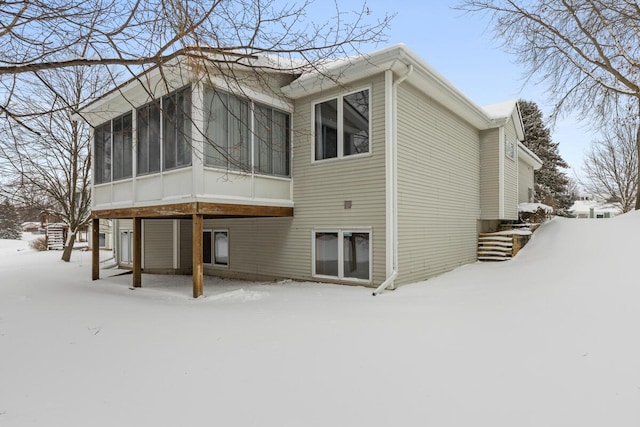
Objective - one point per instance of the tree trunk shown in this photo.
(68, 247)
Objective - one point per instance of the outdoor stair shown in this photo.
(502, 245)
(493, 247)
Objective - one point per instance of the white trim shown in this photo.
(213, 246)
(142, 245)
(340, 231)
(388, 136)
(245, 92)
(501, 156)
(529, 156)
(208, 230)
(340, 125)
(213, 232)
(176, 243)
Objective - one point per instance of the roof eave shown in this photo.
(396, 58)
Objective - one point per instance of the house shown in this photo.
(375, 171)
(590, 206)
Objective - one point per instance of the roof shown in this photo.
(504, 111)
(403, 62)
(529, 156)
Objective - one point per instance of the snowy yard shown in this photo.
(547, 339)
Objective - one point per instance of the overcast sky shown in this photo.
(460, 46)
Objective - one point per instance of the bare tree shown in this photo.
(611, 165)
(39, 35)
(53, 49)
(46, 157)
(587, 51)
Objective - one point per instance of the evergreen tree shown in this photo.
(9, 222)
(551, 183)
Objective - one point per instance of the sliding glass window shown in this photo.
(176, 129)
(148, 133)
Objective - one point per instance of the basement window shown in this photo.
(215, 247)
(342, 254)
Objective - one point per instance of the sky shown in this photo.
(461, 47)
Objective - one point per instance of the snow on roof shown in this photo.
(585, 206)
(501, 110)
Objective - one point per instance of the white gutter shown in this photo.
(391, 166)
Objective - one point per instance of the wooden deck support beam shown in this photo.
(198, 269)
(137, 252)
(95, 249)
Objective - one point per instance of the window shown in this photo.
(176, 129)
(148, 132)
(343, 254)
(102, 154)
(122, 147)
(235, 127)
(342, 126)
(227, 131)
(102, 240)
(113, 150)
(272, 145)
(215, 247)
(510, 149)
(221, 248)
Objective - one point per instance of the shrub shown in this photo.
(39, 244)
(537, 217)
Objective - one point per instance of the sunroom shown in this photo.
(184, 147)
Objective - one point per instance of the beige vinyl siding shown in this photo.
(511, 175)
(282, 247)
(525, 181)
(125, 224)
(321, 188)
(438, 187)
(158, 243)
(258, 247)
(489, 174)
(186, 248)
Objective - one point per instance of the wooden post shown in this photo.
(198, 270)
(137, 252)
(95, 249)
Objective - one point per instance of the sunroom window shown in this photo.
(113, 150)
(342, 126)
(227, 130)
(235, 128)
(176, 129)
(148, 132)
(102, 153)
(122, 147)
(343, 254)
(272, 141)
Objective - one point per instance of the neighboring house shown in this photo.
(590, 206)
(379, 176)
(105, 235)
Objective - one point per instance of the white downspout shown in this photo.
(391, 176)
(501, 142)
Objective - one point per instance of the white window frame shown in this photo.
(213, 247)
(341, 232)
(254, 99)
(340, 141)
(213, 232)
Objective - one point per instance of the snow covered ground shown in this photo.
(547, 339)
